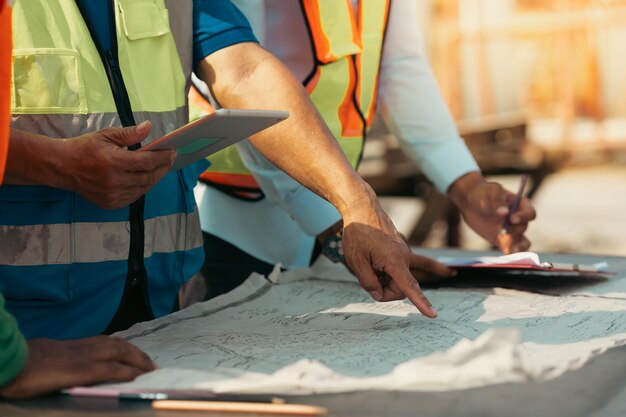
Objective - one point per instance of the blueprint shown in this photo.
(315, 330)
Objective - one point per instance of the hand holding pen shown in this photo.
(505, 239)
(488, 208)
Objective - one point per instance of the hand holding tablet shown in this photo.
(213, 133)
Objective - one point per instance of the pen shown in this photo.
(181, 395)
(161, 396)
(518, 197)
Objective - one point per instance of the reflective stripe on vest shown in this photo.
(5, 82)
(60, 89)
(342, 85)
(45, 244)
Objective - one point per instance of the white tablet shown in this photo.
(213, 133)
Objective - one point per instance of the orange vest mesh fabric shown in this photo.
(353, 122)
(5, 82)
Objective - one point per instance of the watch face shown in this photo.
(333, 248)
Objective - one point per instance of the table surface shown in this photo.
(598, 389)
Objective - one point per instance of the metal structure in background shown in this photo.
(557, 54)
(564, 84)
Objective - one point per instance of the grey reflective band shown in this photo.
(180, 14)
(53, 125)
(59, 244)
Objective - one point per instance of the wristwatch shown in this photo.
(332, 247)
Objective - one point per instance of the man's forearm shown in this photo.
(33, 159)
(246, 76)
(96, 165)
(250, 77)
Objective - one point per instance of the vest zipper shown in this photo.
(120, 94)
(136, 269)
(136, 273)
(136, 278)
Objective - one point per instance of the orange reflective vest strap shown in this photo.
(348, 49)
(373, 17)
(5, 82)
(331, 36)
(332, 90)
(241, 186)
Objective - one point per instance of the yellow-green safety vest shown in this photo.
(64, 261)
(342, 84)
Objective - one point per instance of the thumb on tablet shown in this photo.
(129, 136)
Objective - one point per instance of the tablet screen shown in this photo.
(213, 133)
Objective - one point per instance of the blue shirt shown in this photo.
(99, 15)
(216, 25)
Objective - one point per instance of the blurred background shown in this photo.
(537, 87)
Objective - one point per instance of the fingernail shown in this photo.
(376, 295)
(172, 158)
(502, 211)
(143, 126)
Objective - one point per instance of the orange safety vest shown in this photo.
(342, 85)
(5, 82)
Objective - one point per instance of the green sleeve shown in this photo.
(13, 347)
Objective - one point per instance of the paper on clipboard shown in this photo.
(525, 262)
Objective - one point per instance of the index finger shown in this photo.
(524, 213)
(147, 161)
(411, 288)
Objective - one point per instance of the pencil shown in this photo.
(238, 407)
(184, 395)
(518, 197)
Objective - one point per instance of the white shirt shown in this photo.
(282, 227)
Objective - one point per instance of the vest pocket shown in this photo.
(145, 42)
(35, 244)
(143, 19)
(47, 81)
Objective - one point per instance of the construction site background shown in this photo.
(535, 87)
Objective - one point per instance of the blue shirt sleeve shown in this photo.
(216, 25)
